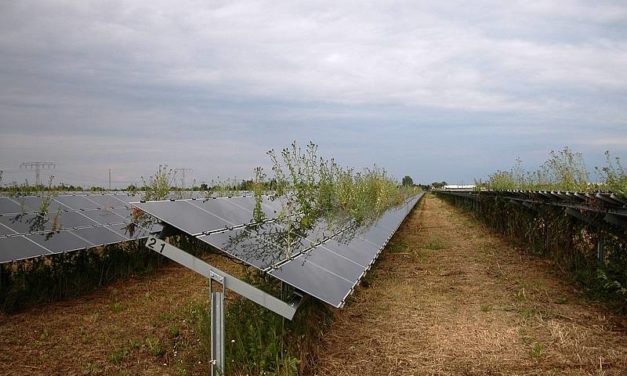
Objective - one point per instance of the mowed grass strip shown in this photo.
(450, 297)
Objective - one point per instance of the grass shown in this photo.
(435, 244)
(117, 356)
(44, 334)
(117, 308)
(174, 331)
(537, 350)
(154, 346)
(486, 308)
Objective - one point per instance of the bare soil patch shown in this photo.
(450, 297)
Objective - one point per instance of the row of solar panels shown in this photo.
(325, 262)
(75, 222)
(87, 201)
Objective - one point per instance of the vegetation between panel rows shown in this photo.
(594, 253)
(564, 170)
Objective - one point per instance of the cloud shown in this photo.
(241, 77)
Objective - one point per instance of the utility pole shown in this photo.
(182, 171)
(38, 166)
(109, 179)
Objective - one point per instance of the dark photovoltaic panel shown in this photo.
(8, 205)
(59, 242)
(185, 216)
(20, 248)
(71, 222)
(100, 235)
(324, 263)
(4, 230)
(332, 276)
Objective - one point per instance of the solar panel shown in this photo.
(19, 248)
(76, 202)
(22, 223)
(333, 262)
(8, 205)
(59, 242)
(4, 230)
(68, 220)
(253, 246)
(107, 201)
(185, 216)
(323, 262)
(105, 216)
(72, 222)
(224, 209)
(100, 235)
(315, 281)
(32, 204)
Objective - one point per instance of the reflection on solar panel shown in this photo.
(82, 220)
(69, 223)
(324, 263)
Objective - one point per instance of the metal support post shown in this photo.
(218, 349)
(217, 326)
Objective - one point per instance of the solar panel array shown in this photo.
(325, 262)
(70, 223)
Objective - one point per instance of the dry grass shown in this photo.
(143, 326)
(459, 300)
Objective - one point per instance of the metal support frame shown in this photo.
(262, 298)
(217, 325)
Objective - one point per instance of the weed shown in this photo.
(167, 316)
(537, 350)
(134, 344)
(174, 331)
(117, 307)
(154, 346)
(435, 244)
(118, 356)
(44, 334)
(527, 313)
(486, 308)
(180, 370)
(399, 246)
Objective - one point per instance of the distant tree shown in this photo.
(204, 187)
(408, 181)
(438, 184)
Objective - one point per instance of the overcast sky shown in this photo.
(435, 90)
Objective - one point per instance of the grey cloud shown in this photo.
(157, 81)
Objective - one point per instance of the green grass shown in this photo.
(117, 356)
(435, 244)
(154, 346)
(174, 331)
(537, 350)
(117, 307)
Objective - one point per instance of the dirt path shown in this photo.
(449, 297)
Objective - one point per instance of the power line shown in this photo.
(182, 171)
(38, 166)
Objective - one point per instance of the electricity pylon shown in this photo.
(38, 166)
(182, 171)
